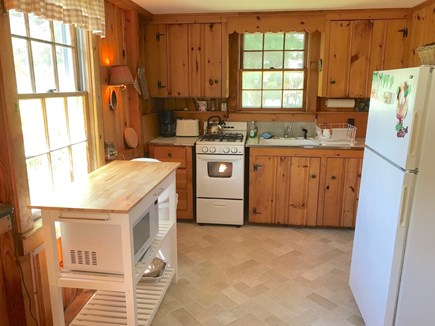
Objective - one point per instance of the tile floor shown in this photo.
(260, 275)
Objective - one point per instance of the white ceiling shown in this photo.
(213, 6)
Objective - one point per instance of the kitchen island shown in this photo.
(115, 195)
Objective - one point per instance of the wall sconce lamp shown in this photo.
(120, 76)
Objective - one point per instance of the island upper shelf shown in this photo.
(114, 188)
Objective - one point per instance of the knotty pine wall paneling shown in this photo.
(422, 29)
(120, 47)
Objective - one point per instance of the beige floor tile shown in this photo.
(261, 275)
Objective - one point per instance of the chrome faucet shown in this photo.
(287, 131)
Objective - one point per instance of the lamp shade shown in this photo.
(120, 75)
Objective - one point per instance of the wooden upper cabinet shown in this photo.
(193, 58)
(156, 63)
(338, 57)
(353, 49)
(206, 60)
(359, 58)
(388, 45)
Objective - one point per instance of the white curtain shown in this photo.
(85, 14)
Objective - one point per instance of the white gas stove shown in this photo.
(220, 163)
(231, 141)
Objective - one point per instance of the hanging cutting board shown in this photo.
(130, 137)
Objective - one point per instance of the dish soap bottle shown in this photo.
(253, 130)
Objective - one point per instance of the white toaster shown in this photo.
(187, 128)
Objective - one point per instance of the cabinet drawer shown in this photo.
(171, 154)
(181, 179)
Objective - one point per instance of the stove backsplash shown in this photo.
(278, 129)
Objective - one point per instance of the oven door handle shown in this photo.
(219, 158)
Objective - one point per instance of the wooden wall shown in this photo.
(11, 298)
(121, 46)
(422, 29)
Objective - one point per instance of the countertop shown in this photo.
(115, 188)
(174, 141)
(359, 144)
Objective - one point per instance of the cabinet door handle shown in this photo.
(159, 85)
(313, 176)
(255, 212)
(210, 81)
(333, 177)
(256, 166)
(332, 82)
(170, 155)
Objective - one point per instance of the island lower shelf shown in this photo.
(109, 307)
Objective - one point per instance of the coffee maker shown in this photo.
(167, 123)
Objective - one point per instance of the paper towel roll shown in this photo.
(340, 103)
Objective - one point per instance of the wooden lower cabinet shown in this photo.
(183, 155)
(339, 190)
(304, 187)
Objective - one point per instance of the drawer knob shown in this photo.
(169, 154)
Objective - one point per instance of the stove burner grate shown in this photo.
(235, 137)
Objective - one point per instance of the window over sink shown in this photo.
(273, 71)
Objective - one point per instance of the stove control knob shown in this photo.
(204, 149)
(226, 150)
(234, 150)
(212, 149)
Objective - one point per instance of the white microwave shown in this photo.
(98, 247)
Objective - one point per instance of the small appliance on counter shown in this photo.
(187, 128)
(167, 123)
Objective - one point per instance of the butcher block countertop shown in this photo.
(116, 187)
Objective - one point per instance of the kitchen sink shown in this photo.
(291, 141)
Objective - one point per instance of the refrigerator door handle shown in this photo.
(404, 210)
(414, 139)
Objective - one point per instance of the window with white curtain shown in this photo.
(52, 101)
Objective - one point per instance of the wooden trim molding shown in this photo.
(277, 22)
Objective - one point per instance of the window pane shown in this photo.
(273, 60)
(17, 22)
(43, 65)
(62, 33)
(272, 80)
(251, 80)
(56, 119)
(294, 41)
(273, 41)
(32, 122)
(39, 28)
(272, 99)
(294, 60)
(293, 99)
(22, 66)
(251, 99)
(293, 80)
(76, 119)
(61, 167)
(39, 177)
(65, 68)
(80, 161)
(252, 60)
(253, 41)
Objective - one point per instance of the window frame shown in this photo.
(305, 70)
(79, 68)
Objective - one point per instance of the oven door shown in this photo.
(219, 176)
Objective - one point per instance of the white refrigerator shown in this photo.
(392, 273)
